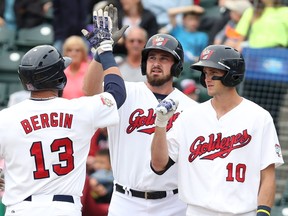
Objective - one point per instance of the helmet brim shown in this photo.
(174, 54)
(67, 61)
(200, 64)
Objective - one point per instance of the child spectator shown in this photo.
(93, 203)
(101, 181)
(192, 40)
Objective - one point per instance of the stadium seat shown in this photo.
(30, 37)
(9, 80)
(10, 60)
(3, 95)
(7, 38)
(279, 211)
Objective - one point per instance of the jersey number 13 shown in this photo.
(66, 156)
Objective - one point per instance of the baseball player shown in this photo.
(137, 189)
(226, 148)
(45, 139)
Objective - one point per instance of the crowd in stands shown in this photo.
(196, 24)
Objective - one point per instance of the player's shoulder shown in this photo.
(84, 100)
(254, 107)
(134, 87)
(14, 110)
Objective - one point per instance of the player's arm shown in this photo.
(160, 160)
(94, 77)
(266, 195)
(101, 40)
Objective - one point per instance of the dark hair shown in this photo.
(259, 6)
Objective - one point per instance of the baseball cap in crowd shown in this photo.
(189, 86)
(237, 5)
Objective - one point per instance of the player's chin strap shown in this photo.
(263, 210)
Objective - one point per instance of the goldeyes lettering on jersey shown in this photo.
(217, 146)
(138, 119)
(46, 120)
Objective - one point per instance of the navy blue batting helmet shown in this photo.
(42, 68)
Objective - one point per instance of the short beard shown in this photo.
(158, 81)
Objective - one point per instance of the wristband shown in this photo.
(107, 60)
(263, 210)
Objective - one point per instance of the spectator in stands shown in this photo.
(215, 17)
(192, 40)
(228, 36)
(264, 25)
(101, 180)
(7, 14)
(160, 7)
(133, 14)
(69, 17)
(98, 141)
(99, 145)
(30, 13)
(130, 65)
(190, 88)
(75, 47)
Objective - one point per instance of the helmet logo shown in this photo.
(159, 41)
(206, 54)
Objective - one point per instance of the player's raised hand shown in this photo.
(111, 12)
(100, 37)
(164, 111)
(116, 32)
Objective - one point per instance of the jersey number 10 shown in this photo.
(239, 172)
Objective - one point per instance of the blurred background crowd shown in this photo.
(257, 28)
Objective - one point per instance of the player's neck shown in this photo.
(43, 95)
(225, 103)
(164, 89)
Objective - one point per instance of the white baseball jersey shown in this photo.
(220, 160)
(130, 141)
(45, 144)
